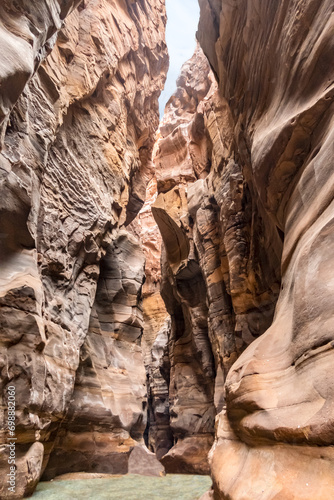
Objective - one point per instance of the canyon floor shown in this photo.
(131, 487)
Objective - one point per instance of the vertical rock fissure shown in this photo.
(220, 259)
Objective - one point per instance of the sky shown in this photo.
(183, 16)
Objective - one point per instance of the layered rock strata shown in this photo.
(245, 212)
(221, 257)
(106, 416)
(220, 261)
(159, 436)
(274, 64)
(191, 388)
(74, 168)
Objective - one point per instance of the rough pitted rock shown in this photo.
(74, 168)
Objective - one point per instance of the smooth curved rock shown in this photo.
(145, 463)
(189, 456)
(274, 62)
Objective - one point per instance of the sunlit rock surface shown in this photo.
(74, 166)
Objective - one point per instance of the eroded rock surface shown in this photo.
(274, 63)
(190, 390)
(245, 210)
(28, 32)
(221, 258)
(245, 213)
(106, 418)
(74, 168)
(144, 462)
(158, 434)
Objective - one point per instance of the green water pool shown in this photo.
(129, 487)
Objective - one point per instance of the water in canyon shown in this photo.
(129, 487)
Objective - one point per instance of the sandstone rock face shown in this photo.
(221, 258)
(158, 435)
(74, 168)
(145, 463)
(243, 197)
(28, 31)
(191, 364)
(274, 64)
(105, 418)
(245, 211)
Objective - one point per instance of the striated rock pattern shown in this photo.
(158, 434)
(221, 259)
(242, 332)
(245, 212)
(178, 159)
(28, 32)
(106, 414)
(274, 64)
(222, 265)
(74, 166)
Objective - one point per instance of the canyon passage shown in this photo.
(166, 286)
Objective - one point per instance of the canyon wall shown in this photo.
(191, 368)
(274, 63)
(245, 209)
(159, 436)
(220, 259)
(79, 109)
(236, 352)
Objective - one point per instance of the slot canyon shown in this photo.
(166, 283)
